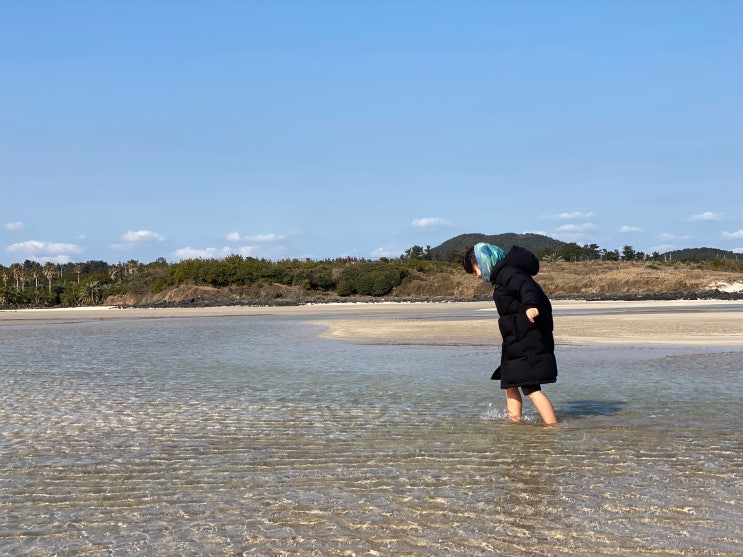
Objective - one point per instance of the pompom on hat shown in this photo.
(487, 256)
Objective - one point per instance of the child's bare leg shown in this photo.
(513, 404)
(544, 407)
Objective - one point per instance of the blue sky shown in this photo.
(288, 129)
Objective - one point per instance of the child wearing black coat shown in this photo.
(525, 323)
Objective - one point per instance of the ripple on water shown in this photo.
(377, 450)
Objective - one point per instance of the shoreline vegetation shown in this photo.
(386, 281)
(567, 272)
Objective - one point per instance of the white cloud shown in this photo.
(136, 236)
(264, 238)
(707, 216)
(575, 215)
(429, 222)
(44, 247)
(55, 252)
(387, 252)
(212, 253)
(14, 226)
(576, 228)
(666, 237)
(662, 248)
(731, 235)
(630, 229)
(574, 232)
(207, 253)
(269, 245)
(258, 238)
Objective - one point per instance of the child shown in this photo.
(525, 322)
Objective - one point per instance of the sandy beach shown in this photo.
(681, 322)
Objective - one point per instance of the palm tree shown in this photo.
(78, 270)
(71, 295)
(15, 269)
(33, 271)
(49, 271)
(6, 277)
(132, 266)
(92, 293)
(18, 275)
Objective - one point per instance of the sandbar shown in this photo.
(676, 322)
(708, 323)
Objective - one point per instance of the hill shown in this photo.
(700, 254)
(454, 248)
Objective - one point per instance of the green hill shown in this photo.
(700, 254)
(454, 248)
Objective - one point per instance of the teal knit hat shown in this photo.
(488, 256)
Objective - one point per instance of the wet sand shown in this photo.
(681, 322)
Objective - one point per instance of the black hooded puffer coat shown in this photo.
(528, 353)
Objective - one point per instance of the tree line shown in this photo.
(31, 284)
(566, 252)
(71, 284)
(76, 284)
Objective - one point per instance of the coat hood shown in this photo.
(518, 257)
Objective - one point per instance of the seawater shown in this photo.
(256, 436)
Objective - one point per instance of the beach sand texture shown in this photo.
(681, 322)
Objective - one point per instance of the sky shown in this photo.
(322, 129)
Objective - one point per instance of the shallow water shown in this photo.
(253, 435)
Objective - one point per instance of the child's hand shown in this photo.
(532, 314)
